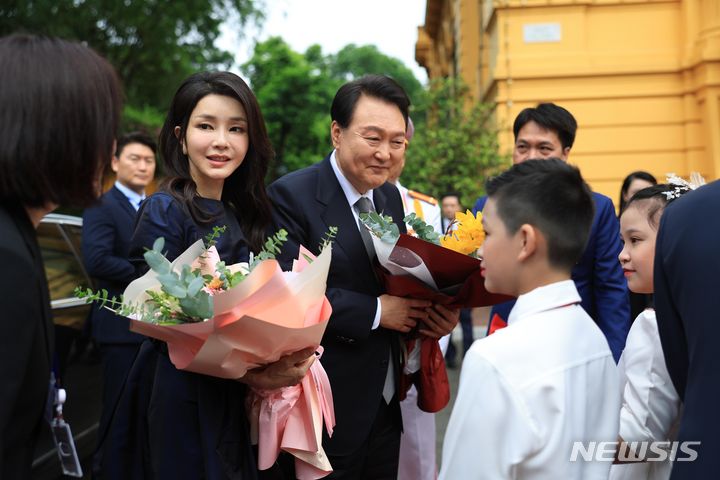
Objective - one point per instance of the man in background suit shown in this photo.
(361, 344)
(107, 229)
(687, 303)
(548, 131)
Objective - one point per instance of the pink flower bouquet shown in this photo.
(223, 321)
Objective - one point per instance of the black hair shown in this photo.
(450, 194)
(378, 86)
(135, 137)
(61, 105)
(244, 189)
(551, 117)
(638, 175)
(552, 196)
(657, 198)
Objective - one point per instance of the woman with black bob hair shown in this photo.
(183, 424)
(60, 109)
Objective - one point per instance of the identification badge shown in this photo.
(66, 448)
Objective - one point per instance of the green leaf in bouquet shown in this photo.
(211, 238)
(270, 249)
(159, 244)
(186, 274)
(389, 237)
(156, 261)
(195, 286)
(422, 230)
(382, 226)
(235, 278)
(100, 296)
(198, 307)
(328, 238)
(172, 286)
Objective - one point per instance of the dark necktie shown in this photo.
(364, 205)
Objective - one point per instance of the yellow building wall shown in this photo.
(642, 77)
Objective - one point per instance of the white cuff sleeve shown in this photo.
(378, 313)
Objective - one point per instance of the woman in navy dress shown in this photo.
(171, 423)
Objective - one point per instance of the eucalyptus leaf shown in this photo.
(176, 290)
(195, 286)
(159, 244)
(198, 307)
(156, 261)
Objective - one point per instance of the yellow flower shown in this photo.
(468, 236)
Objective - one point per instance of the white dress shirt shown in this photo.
(650, 403)
(133, 197)
(530, 390)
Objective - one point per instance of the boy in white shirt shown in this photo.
(531, 390)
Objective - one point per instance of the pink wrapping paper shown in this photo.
(270, 314)
(295, 416)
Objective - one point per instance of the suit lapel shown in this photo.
(337, 213)
(383, 204)
(123, 201)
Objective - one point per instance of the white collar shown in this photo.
(134, 197)
(542, 299)
(351, 194)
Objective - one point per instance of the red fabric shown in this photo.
(458, 277)
(496, 324)
(431, 380)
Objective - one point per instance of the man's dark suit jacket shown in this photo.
(306, 203)
(107, 229)
(26, 341)
(687, 303)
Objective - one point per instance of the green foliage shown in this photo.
(100, 296)
(296, 90)
(422, 230)
(382, 226)
(329, 237)
(147, 119)
(212, 237)
(353, 61)
(456, 148)
(184, 297)
(295, 93)
(185, 289)
(153, 44)
(270, 249)
(227, 277)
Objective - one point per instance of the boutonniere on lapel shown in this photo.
(444, 269)
(223, 320)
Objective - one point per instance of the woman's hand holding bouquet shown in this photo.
(250, 322)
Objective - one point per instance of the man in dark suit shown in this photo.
(361, 343)
(687, 303)
(548, 131)
(107, 229)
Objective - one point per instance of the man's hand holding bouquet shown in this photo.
(440, 269)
